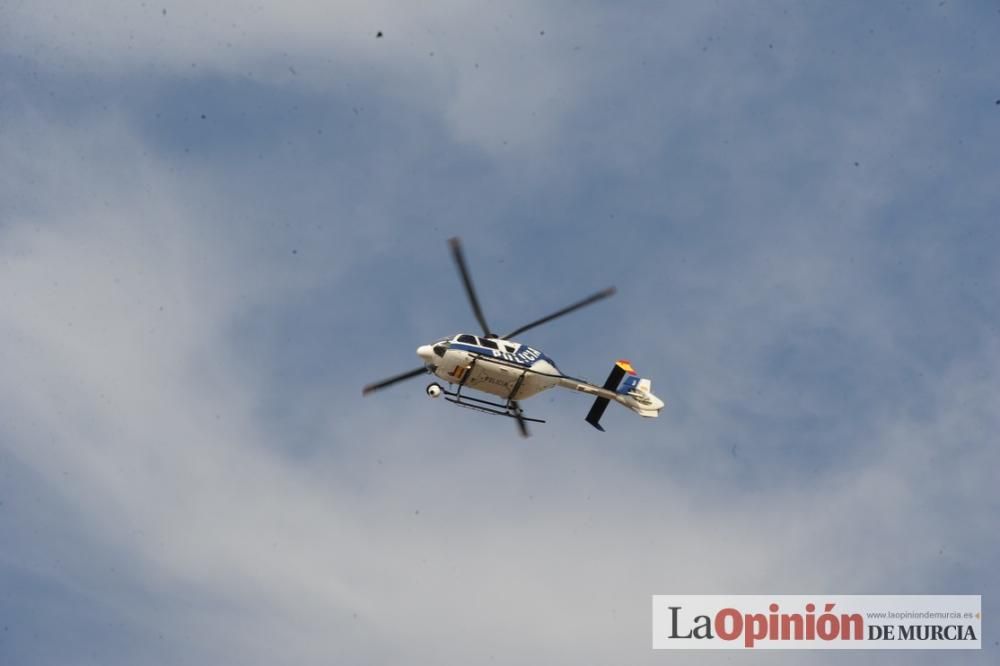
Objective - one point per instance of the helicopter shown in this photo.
(498, 366)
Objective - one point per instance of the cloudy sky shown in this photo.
(219, 220)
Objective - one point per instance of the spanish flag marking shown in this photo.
(626, 366)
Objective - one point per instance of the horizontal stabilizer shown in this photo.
(637, 395)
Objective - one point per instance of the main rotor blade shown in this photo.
(456, 251)
(576, 306)
(392, 380)
(521, 425)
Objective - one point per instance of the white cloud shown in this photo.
(441, 551)
(411, 532)
(486, 69)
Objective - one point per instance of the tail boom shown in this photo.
(623, 386)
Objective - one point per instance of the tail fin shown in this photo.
(634, 392)
(611, 384)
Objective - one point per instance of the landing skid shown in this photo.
(486, 406)
(510, 408)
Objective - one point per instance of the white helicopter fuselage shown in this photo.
(502, 368)
(513, 371)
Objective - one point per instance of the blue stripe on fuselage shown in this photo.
(525, 355)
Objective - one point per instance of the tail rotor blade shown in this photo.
(593, 298)
(456, 252)
(371, 388)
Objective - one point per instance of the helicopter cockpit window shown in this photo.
(488, 343)
(510, 348)
(467, 339)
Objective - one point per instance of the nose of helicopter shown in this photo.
(426, 353)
